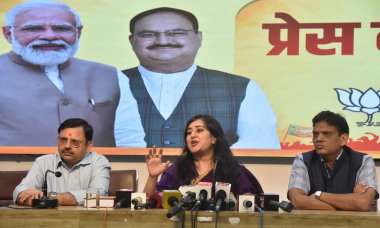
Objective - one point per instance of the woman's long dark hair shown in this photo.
(226, 161)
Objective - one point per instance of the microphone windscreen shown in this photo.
(157, 198)
(221, 194)
(207, 186)
(136, 200)
(286, 206)
(168, 194)
(226, 187)
(247, 202)
(139, 196)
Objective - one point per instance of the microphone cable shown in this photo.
(213, 177)
(198, 204)
(216, 218)
(183, 216)
(261, 215)
(194, 217)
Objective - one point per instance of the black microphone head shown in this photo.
(203, 193)
(176, 208)
(156, 200)
(58, 174)
(231, 205)
(190, 197)
(247, 203)
(172, 201)
(221, 194)
(286, 206)
(44, 187)
(135, 201)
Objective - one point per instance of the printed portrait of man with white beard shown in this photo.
(43, 84)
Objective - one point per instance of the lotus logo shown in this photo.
(357, 101)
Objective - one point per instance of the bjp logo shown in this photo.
(367, 102)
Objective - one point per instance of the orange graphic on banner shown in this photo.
(300, 131)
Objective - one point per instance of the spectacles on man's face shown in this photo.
(63, 30)
(171, 34)
(73, 142)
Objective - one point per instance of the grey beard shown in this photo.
(45, 58)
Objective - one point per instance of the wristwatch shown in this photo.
(52, 195)
(317, 195)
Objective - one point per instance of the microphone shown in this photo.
(184, 189)
(155, 201)
(202, 197)
(167, 195)
(121, 202)
(231, 204)
(263, 201)
(136, 201)
(45, 202)
(173, 201)
(222, 195)
(138, 198)
(200, 191)
(284, 205)
(247, 203)
(203, 190)
(123, 198)
(44, 188)
(178, 206)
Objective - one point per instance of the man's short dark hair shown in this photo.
(77, 122)
(191, 17)
(332, 119)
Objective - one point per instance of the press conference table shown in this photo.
(82, 217)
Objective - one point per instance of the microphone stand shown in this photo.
(213, 178)
(45, 202)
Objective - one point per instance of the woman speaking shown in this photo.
(205, 150)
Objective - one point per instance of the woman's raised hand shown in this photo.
(154, 162)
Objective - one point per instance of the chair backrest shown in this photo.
(8, 182)
(122, 179)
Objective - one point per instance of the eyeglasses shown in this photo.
(73, 142)
(171, 34)
(64, 30)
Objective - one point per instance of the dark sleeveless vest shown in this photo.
(343, 177)
(209, 92)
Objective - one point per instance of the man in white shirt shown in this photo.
(170, 88)
(81, 170)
